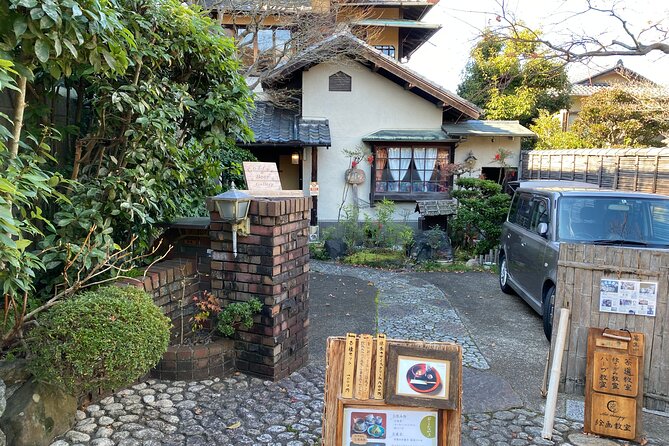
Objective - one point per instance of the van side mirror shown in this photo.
(542, 229)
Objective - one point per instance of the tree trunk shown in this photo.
(18, 117)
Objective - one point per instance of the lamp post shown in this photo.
(233, 207)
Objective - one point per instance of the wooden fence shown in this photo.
(580, 269)
(645, 170)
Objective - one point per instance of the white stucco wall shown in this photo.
(374, 103)
(484, 148)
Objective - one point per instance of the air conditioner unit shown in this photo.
(314, 234)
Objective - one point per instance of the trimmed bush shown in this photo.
(103, 339)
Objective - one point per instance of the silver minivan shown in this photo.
(544, 214)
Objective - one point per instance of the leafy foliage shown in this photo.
(102, 339)
(482, 208)
(237, 313)
(154, 90)
(617, 118)
(513, 78)
(551, 136)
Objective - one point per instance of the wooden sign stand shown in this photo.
(362, 389)
(614, 383)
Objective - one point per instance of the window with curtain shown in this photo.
(411, 170)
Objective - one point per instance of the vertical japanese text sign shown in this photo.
(614, 383)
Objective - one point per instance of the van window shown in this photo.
(521, 210)
(540, 213)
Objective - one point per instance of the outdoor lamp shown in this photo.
(233, 207)
(470, 161)
(295, 158)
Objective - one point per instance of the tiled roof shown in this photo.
(487, 128)
(427, 135)
(386, 66)
(272, 125)
(587, 90)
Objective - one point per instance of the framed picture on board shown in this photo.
(422, 378)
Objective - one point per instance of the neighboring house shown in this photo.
(417, 132)
(618, 76)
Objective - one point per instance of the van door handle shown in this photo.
(523, 244)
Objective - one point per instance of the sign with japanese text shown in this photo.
(614, 381)
(389, 427)
(392, 392)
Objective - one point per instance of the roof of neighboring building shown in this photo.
(382, 64)
(587, 90)
(254, 5)
(427, 135)
(621, 70)
(279, 126)
(487, 128)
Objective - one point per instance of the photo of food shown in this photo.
(372, 425)
(422, 377)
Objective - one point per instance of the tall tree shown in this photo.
(511, 79)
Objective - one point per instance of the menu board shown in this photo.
(376, 426)
(628, 297)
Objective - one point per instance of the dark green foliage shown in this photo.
(237, 313)
(103, 339)
(482, 209)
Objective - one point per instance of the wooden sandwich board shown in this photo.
(614, 383)
(357, 386)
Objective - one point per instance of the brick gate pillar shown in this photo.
(272, 264)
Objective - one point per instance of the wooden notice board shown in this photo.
(262, 180)
(366, 405)
(614, 383)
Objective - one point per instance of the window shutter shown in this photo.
(340, 81)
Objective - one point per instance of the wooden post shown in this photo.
(551, 401)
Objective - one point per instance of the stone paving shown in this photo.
(242, 410)
(410, 308)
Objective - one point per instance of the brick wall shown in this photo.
(272, 265)
(172, 283)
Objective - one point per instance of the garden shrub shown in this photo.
(482, 208)
(98, 340)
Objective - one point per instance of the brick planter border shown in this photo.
(193, 362)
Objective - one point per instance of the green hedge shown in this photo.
(103, 339)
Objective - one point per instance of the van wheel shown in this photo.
(504, 276)
(548, 307)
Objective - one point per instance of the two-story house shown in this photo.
(350, 93)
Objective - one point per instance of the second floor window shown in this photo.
(388, 50)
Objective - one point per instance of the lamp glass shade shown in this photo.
(242, 209)
(295, 158)
(227, 210)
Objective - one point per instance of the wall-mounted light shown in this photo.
(233, 207)
(295, 158)
(470, 161)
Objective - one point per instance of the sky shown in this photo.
(443, 58)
